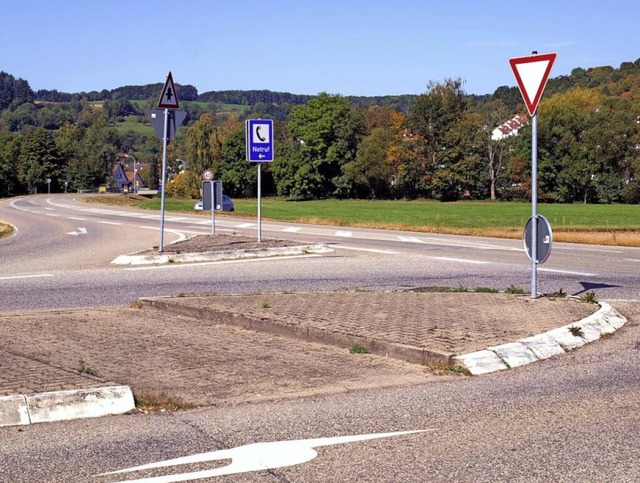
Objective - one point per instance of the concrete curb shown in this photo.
(548, 344)
(409, 353)
(317, 249)
(22, 409)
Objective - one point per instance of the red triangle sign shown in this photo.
(169, 96)
(532, 73)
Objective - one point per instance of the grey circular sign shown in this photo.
(545, 239)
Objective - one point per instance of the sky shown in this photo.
(361, 48)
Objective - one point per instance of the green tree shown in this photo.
(324, 136)
(239, 177)
(9, 157)
(39, 160)
(203, 144)
(566, 169)
(432, 118)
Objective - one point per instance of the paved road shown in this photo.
(573, 418)
(74, 270)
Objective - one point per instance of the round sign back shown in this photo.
(207, 175)
(545, 239)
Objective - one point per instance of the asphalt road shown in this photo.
(572, 418)
(61, 257)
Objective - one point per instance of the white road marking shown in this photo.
(77, 218)
(410, 239)
(461, 260)
(253, 457)
(345, 234)
(53, 215)
(16, 277)
(372, 250)
(292, 229)
(110, 223)
(245, 225)
(567, 272)
(81, 231)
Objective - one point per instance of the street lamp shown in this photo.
(135, 172)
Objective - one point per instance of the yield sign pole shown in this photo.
(532, 73)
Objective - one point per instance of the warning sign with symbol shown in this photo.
(169, 96)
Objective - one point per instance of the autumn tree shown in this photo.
(203, 144)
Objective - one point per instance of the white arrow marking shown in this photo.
(81, 231)
(253, 457)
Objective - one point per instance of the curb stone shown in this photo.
(548, 344)
(317, 249)
(43, 407)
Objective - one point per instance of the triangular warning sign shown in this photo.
(169, 96)
(532, 73)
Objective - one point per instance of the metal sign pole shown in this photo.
(213, 208)
(164, 177)
(534, 205)
(259, 202)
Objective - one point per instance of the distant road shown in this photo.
(61, 253)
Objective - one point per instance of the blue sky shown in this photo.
(373, 47)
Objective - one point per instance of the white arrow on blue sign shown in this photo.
(259, 134)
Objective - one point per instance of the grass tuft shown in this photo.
(358, 349)
(154, 403)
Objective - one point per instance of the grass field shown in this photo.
(131, 124)
(596, 224)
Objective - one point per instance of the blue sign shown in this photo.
(259, 133)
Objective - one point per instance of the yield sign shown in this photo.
(532, 74)
(169, 96)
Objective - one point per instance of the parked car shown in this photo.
(227, 204)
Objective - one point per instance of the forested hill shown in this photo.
(590, 78)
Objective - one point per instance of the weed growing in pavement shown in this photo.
(171, 260)
(84, 369)
(513, 290)
(589, 297)
(265, 304)
(460, 289)
(443, 369)
(486, 290)
(358, 349)
(559, 294)
(136, 305)
(154, 403)
(576, 331)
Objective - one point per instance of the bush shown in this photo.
(184, 185)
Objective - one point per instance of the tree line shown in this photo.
(437, 145)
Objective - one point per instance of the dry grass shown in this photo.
(5, 230)
(155, 403)
(627, 238)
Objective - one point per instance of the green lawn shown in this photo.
(423, 214)
(131, 124)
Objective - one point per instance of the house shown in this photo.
(509, 128)
(125, 178)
